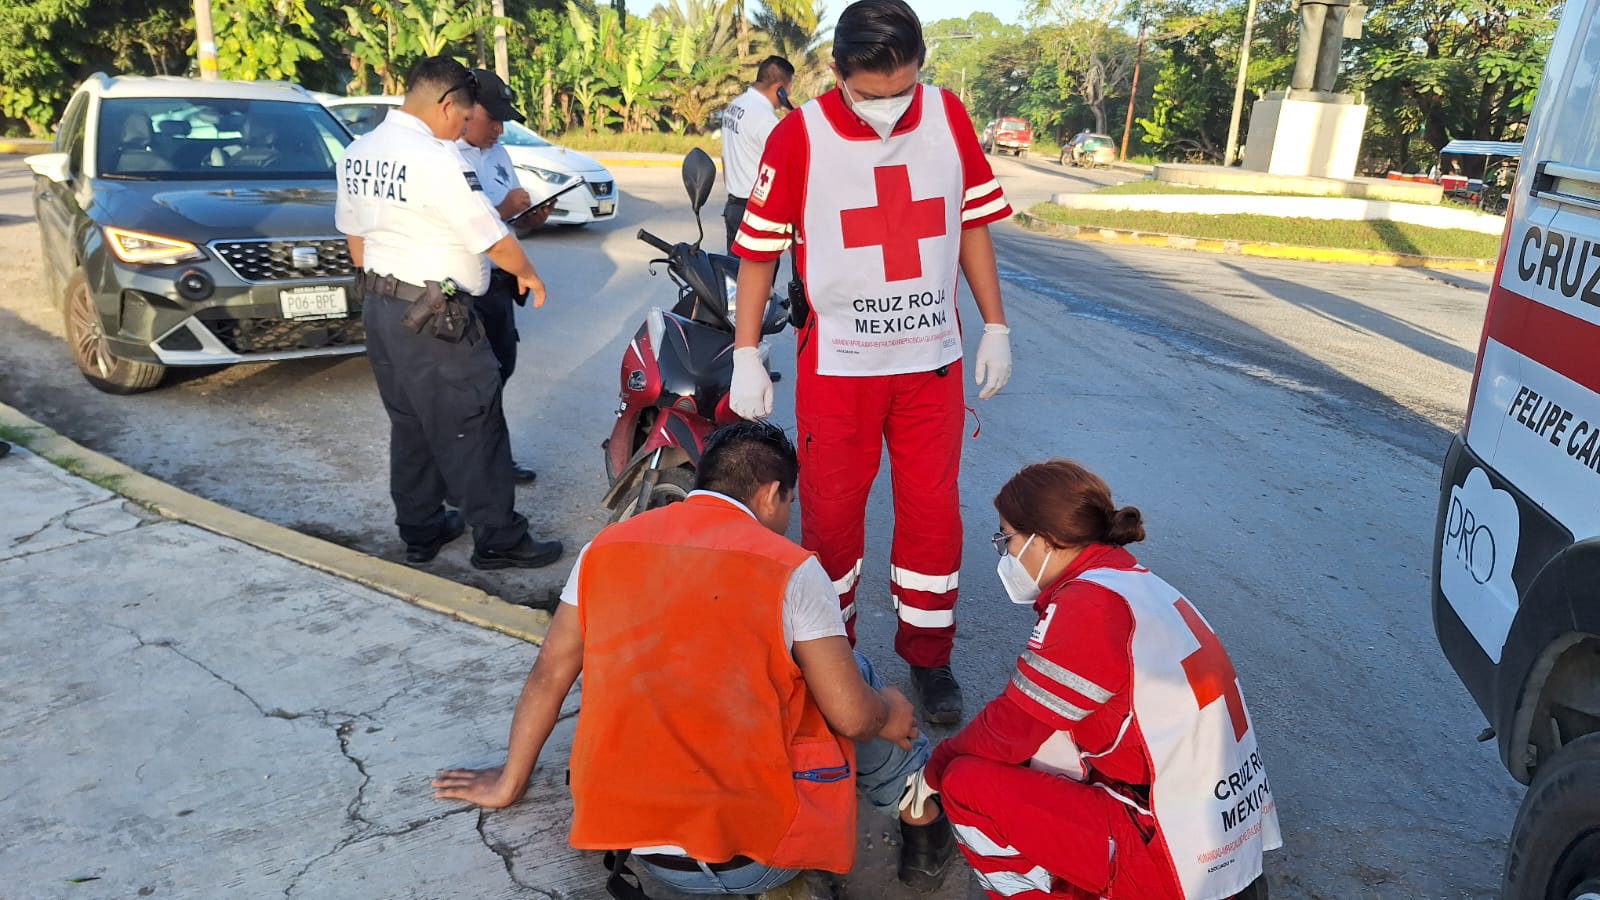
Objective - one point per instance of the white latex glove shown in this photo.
(751, 394)
(993, 367)
(916, 794)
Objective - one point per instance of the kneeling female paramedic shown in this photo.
(1120, 761)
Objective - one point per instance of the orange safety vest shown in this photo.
(697, 729)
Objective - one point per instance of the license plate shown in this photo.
(314, 303)
(606, 208)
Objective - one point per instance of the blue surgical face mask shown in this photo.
(883, 113)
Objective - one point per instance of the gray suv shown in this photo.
(190, 223)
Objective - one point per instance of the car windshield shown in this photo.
(361, 118)
(151, 138)
(519, 135)
(1013, 125)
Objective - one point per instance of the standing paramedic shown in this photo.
(884, 193)
(724, 759)
(746, 124)
(419, 227)
(481, 148)
(1120, 762)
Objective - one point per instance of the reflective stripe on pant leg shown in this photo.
(924, 437)
(840, 443)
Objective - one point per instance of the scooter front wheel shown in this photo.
(672, 485)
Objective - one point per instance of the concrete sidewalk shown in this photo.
(187, 715)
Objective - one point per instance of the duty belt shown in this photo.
(389, 286)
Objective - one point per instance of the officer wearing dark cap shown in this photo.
(421, 232)
(481, 148)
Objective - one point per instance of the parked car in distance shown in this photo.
(1090, 150)
(542, 167)
(190, 223)
(1007, 135)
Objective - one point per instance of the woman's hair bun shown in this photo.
(1127, 527)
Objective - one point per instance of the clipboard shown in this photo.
(548, 201)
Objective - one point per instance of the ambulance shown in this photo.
(1516, 569)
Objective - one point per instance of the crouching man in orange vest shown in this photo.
(725, 759)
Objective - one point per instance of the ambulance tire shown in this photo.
(1555, 844)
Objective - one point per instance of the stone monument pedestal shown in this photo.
(1305, 133)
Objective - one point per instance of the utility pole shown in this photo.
(502, 62)
(1133, 92)
(205, 40)
(1232, 153)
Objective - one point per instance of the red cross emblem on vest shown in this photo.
(896, 224)
(1210, 671)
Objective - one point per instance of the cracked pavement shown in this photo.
(188, 716)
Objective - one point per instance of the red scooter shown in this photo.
(677, 370)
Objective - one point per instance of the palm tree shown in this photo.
(792, 28)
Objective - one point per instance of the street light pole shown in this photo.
(502, 62)
(1232, 153)
(205, 40)
(1133, 92)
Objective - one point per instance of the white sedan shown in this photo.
(541, 165)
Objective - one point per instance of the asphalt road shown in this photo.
(1280, 424)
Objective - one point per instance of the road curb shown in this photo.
(1249, 248)
(25, 146)
(467, 604)
(629, 163)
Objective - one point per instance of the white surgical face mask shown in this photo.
(1021, 587)
(882, 114)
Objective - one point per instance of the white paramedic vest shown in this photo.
(882, 228)
(1209, 792)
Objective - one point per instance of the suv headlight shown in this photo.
(545, 175)
(149, 249)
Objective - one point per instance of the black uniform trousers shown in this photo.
(498, 313)
(447, 431)
(732, 215)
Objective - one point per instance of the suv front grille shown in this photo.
(275, 260)
(602, 189)
(281, 335)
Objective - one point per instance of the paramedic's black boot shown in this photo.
(925, 853)
(939, 694)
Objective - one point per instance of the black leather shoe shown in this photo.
(526, 554)
(523, 474)
(452, 528)
(939, 693)
(925, 853)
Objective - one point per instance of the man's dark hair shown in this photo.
(774, 69)
(877, 36)
(744, 457)
(441, 75)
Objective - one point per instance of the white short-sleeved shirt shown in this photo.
(417, 205)
(495, 170)
(745, 125)
(810, 604)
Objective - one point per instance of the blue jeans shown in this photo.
(881, 772)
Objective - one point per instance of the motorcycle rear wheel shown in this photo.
(672, 485)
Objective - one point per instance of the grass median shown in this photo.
(652, 142)
(1377, 237)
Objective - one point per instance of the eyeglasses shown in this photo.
(467, 85)
(1000, 541)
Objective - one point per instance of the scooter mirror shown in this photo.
(699, 172)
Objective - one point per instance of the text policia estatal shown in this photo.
(1546, 418)
(1243, 795)
(901, 313)
(379, 178)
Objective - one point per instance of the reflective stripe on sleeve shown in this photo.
(918, 581)
(848, 613)
(981, 191)
(988, 209)
(1046, 699)
(1067, 679)
(760, 223)
(762, 245)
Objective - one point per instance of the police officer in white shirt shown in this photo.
(481, 148)
(419, 229)
(745, 125)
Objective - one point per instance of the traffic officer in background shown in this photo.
(419, 227)
(745, 125)
(481, 148)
